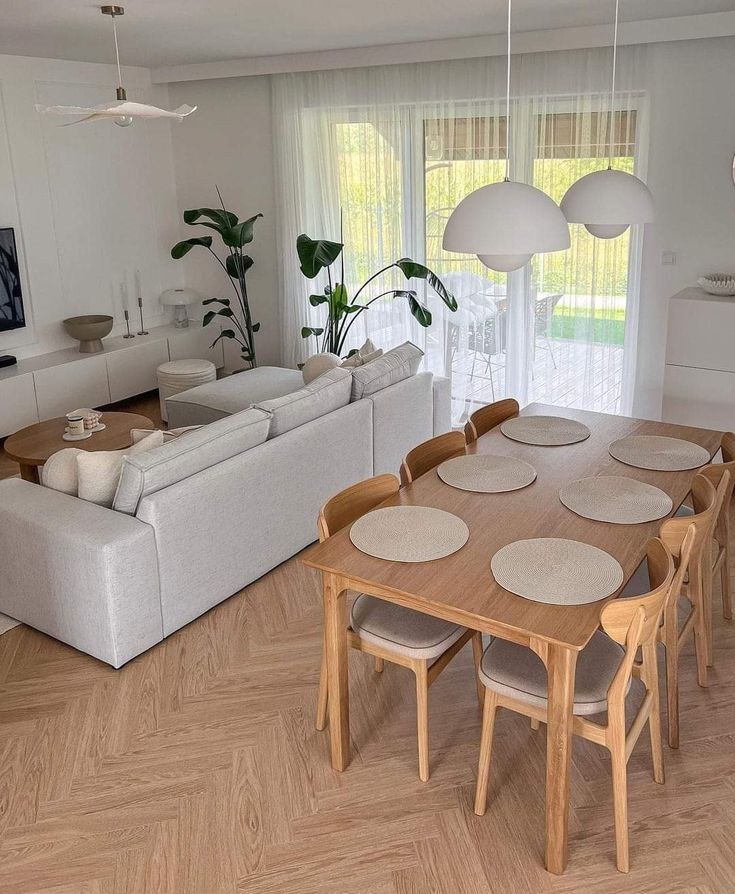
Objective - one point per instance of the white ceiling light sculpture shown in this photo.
(608, 202)
(506, 223)
(123, 111)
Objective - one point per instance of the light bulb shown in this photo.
(123, 121)
(505, 263)
(606, 231)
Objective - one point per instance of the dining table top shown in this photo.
(460, 587)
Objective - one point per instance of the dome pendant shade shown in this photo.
(506, 223)
(607, 202)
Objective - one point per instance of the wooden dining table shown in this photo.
(461, 588)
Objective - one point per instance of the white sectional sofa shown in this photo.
(207, 515)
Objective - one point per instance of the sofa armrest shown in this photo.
(81, 573)
(442, 391)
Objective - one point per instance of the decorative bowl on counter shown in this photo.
(89, 330)
(718, 283)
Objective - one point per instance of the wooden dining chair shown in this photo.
(515, 678)
(387, 631)
(684, 617)
(430, 454)
(488, 417)
(714, 555)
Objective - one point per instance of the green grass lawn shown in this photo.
(605, 326)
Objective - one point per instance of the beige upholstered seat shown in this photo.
(401, 630)
(517, 672)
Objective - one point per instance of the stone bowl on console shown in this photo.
(89, 330)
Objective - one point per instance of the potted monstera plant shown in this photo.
(344, 308)
(235, 234)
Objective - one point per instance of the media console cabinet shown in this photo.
(53, 384)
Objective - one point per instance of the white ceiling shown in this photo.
(155, 33)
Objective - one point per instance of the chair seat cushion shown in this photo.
(401, 630)
(517, 672)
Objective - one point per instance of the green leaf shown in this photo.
(226, 312)
(308, 331)
(221, 220)
(353, 308)
(414, 270)
(340, 296)
(208, 317)
(316, 254)
(422, 314)
(232, 265)
(255, 327)
(316, 300)
(226, 333)
(217, 301)
(183, 248)
(241, 233)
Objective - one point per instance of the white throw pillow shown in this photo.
(98, 472)
(318, 364)
(59, 472)
(366, 353)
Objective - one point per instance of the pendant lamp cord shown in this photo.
(507, 101)
(117, 51)
(612, 86)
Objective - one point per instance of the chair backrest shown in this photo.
(715, 474)
(352, 502)
(673, 530)
(428, 455)
(486, 418)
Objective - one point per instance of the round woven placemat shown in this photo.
(544, 431)
(487, 474)
(614, 499)
(556, 571)
(658, 453)
(409, 533)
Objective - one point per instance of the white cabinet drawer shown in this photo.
(699, 397)
(61, 389)
(133, 370)
(195, 344)
(700, 334)
(17, 404)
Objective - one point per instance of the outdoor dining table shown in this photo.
(461, 588)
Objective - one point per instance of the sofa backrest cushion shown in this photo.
(327, 393)
(392, 367)
(196, 450)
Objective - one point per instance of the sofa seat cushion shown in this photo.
(327, 393)
(182, 457)
(215, 400)
(401, 630)
(394, 366)
(517, 672)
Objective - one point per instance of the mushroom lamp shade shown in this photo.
(505, 224)
(608, 202)
(180, 299)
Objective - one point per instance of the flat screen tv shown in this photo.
(11, 297)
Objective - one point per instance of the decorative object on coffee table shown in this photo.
(32, 446)
(180, 299)
(181, 375)
(89, 330)
(235, 234)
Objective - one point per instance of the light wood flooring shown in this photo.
(197, 768)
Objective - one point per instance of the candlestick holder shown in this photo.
(128, 334)
(143, 330)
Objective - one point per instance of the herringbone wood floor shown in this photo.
(196, 768)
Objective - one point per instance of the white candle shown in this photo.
(124, 293)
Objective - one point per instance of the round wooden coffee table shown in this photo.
(32, 446)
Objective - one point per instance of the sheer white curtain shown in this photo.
(393, 149)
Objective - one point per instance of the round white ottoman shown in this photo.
(181, 375)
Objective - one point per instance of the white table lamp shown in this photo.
(179, 299)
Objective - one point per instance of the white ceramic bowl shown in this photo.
(718, 283)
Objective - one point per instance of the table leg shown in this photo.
(561, 665)
(30, 473)
(335, 627)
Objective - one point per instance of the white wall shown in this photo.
(228, 142)
(692, 141)
(91, 204)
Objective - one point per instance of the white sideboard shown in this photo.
(699, 380)
(52, 384)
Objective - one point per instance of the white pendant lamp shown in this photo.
(506, 223)
(123, 111)
(608, 202)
